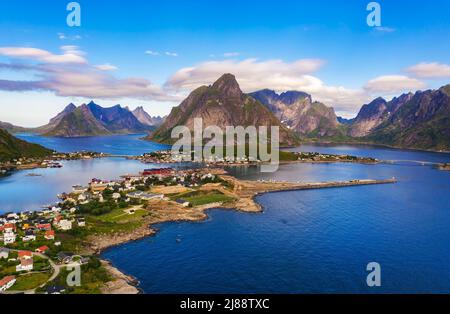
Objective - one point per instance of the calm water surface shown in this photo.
(23, 192)
(317, 241)
(303, 242)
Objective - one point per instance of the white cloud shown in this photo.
(231, 54)
(171, 54)
(431, 70)
(71, 54)
(152, 53)
(393, 84)
(281, 76)
(63, 36)
(156, 53)
(106, 67)
(59, 74)
(384, 29)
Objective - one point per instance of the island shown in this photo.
(51, 161)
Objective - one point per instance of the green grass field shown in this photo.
(120, 216)
(199, 198)
(30, 281)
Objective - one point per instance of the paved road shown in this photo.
(56, 271)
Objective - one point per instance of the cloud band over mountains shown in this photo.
(70, 74)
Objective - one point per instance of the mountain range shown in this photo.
(419, 120)
(299, 113)
(221, 104)
(93, 120)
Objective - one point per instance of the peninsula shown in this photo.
(92, 218)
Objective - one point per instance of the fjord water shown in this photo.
(20, 191)
(128, 145)
(317, 241)
(303, 242)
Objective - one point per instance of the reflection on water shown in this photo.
(23, 192)
(129, 145)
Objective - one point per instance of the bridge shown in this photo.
(420, 162)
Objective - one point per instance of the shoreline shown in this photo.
(328, 143)
(246, 203)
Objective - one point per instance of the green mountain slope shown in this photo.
(12, 147)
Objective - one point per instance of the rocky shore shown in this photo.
(160, 211)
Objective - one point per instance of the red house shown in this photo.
(8, 227)
(25, 255)
(42, 249)
(157, 172)
(44, 226)
(50, 234)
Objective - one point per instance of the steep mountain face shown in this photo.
(146, 119)
(222, 104)
(370, 116)
(298, 112)
(419, 121)
(55, 120)
(93, 120)
(375, 113)
(12, 147)
(117, 119)
(80, 122)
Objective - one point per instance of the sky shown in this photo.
(153, 53)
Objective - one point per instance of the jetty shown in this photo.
(245, 190)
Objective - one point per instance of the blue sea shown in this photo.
(316, 241)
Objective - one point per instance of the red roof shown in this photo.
(6, 280)
(9, 225)
(158, 171)
(25, 254)
(44, 226)
(50, 232)
(43, 248)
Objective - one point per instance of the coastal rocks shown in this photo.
(99, 243)
(121, 284)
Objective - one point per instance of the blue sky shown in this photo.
(153, 53)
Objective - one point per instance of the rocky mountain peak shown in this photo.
(228, 86)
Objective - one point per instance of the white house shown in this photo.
(25, 265)
(65, 224)
(29, 238)
(9, 238)
(7, 283)
(4, 253)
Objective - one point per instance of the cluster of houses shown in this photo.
(126, 188)
(27, 226)
(317, 157)
(50, 162)
(19, 228)
(170, 157)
